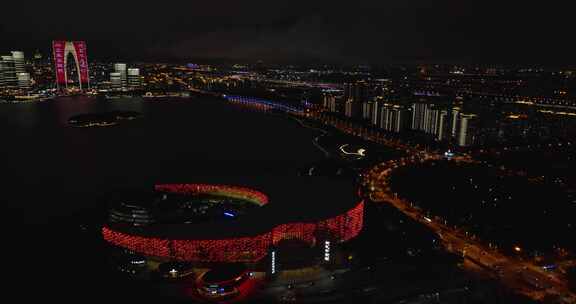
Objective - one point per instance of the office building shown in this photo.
(116, 81)
(134, 79)
(121, 68)
(24, 81)
(2, 84)
(8, 80)
(19, 62)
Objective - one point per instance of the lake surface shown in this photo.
(56, 178)
(51, 170)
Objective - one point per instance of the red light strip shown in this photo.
(245, 249)
(246, 193)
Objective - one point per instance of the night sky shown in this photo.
(300, 31)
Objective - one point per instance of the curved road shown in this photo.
(519, 275)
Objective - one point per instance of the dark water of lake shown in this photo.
(50, 169)
(53, 175)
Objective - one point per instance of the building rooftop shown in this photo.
(294, 199)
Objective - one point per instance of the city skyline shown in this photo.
(417, 151)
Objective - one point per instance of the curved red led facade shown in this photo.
(242, 249)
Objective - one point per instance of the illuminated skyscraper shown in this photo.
(374, 113)
(431, 120)
(443, 126)
(19, 62)
(134, 79)
(454, 122)
(367, 110)
(354, 95)
(329, 102)
(37, 55)
(8, 70)
(24, 81)
(116, 81)
(393, 118)
(121, 68)
(352, 109)
(61, 50)
(2, 84)
(13, 73)
(370, 112)
(466, 136)
(356, 92)
(418, 116)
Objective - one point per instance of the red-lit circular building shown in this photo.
(223, 223)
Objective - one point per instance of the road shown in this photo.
(519, 275)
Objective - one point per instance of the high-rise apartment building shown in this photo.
(418, 116)
(468, 128)
(330, 103)
(393, 118)
(354, 95)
